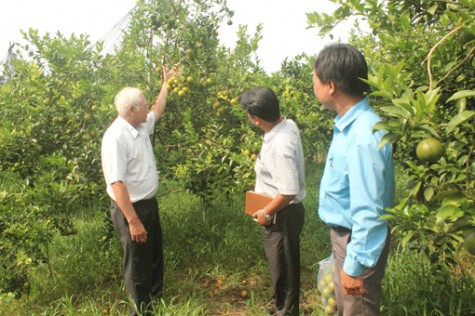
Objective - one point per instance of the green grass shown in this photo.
(213, 253)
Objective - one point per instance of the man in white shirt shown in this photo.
(280, 173)
(130, 173)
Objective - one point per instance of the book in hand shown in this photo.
(255, 201)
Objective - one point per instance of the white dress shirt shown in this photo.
(280, 165)
(127, 156)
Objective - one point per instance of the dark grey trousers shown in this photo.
(142, 263)
(282, 248)
(367, 304)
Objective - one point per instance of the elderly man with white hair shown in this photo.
(130, 173)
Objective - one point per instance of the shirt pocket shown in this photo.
(135, 164)
(336, 177)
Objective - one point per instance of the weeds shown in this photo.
(215, 265)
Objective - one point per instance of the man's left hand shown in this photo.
(260, 216)
(352, 285)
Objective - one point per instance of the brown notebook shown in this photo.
(255, 201)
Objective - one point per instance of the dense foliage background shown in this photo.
(56, 101)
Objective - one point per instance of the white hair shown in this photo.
(126, 98)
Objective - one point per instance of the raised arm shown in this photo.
(160, 103)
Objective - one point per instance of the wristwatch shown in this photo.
(268, 217)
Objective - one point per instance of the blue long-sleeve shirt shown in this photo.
(357, 185)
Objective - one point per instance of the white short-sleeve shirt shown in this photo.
(280, 165)
(127, 156)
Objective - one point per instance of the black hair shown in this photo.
(345, 66)
(263, 103)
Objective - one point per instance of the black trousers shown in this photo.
(282, 247)
(142, 263)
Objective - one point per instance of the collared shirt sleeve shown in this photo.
(150, 123)
(366, 169)
(114, 157)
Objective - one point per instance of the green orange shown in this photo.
(430, 150)
(469, 242)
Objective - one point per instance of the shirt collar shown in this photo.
(271, 134)
(123, 123)
(341, 122)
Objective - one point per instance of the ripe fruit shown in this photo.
(430, 150)
(469, 242)
(244, 294)
(326, 288)
(329, 310)
(328, 278)
(332, 302)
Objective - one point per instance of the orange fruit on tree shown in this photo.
(430, 150)
(469, 242)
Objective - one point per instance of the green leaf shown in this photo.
(462, 94)
(432, 9)
(428, 193)
(388, 138)
(407, 238)
(459, 119)
(415, 188)
(448, 211)
(383, 94)
(382, 125)
(427, 128)
(396, 111)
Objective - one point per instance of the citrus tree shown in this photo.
(52, 113)
(421, 56)
(203, 134)
(56, 101)
(204, 139)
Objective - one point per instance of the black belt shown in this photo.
(144, 201)
(341, 229)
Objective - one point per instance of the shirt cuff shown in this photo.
(353, 268)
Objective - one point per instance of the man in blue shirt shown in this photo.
(358, 181)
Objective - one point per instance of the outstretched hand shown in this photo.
(167, 74)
